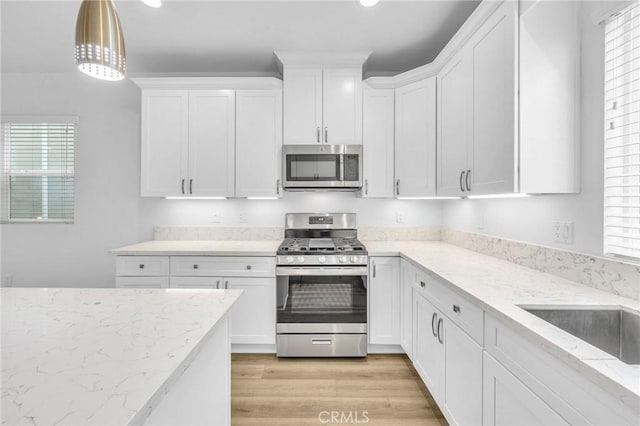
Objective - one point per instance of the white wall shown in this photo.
(109, 212)
(530, 219)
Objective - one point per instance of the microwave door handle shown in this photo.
(341, 168)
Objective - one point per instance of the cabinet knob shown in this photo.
(249, 267)
(423, 284)
(456, 309)
(141, 266)
(195, 266)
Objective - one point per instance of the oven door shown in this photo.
(322, 300)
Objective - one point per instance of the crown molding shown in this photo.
(311, 59)
(211, 83)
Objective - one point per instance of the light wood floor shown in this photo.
(266, 390)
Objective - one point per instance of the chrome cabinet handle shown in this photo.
(141, 266)
(433, 324)
(278, 187)
(456, 309)
(461, 179)
(440, 328)
(374, 269)
(423, 284)
(320, 341)
(226, 284)
(183, 186)
(366, 186)
(326, 135)
(218, 284)
(318, 134)
(195, 266)
(397, 186)
(249, 267)
(467, 180)
(190, 186)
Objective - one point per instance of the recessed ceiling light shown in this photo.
(152, 3)
(368, 3)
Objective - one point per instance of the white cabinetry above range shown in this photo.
(219, 137)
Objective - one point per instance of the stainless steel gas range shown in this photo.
(321, 287)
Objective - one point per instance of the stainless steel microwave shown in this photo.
(322, 167)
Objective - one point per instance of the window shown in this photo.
(38, 169)
(622, 133)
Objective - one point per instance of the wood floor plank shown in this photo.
(271, 391)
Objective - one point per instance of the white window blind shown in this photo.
(38, 169)
(622, 133)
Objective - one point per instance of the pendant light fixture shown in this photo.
(99, 41)
(368, 3)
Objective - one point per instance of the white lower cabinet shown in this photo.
(384, 301)
(253, 320)
(408, 279)
(449, 362)
(508, 402)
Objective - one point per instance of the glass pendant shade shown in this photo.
(99, 41)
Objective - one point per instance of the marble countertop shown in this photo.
(201, 248)
(500, 287)
(99, 356)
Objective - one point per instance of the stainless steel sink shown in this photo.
(615, 331)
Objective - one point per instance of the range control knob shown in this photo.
(343, 259)
(290, 259)
(300, 259)
(322, 259)
(354, 259)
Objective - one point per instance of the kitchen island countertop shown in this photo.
(99, 356)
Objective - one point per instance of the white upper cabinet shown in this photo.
(258, 143)
(211, 143)
(303, 106)
(165, 139)
(342, 105)
(454, 129)
(492, 168)
(508, 100)
(377, 140)
(322, 97)
(322, 105)
(415, 142)
(196, 142)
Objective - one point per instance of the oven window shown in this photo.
(319, 167)
(323, 299)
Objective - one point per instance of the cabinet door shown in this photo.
(493, 162)
(164, 147)
(507, 401)
(253, 319)
(211, 143)
(415, 157)
(377, 140)
(454, 124)
(462, 393)
(342, 106)
(302, 90)
(384, 301)
(258, 143)
(408, 281)
(195, 282)
(428, 353)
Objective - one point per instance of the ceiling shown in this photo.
(210, 36)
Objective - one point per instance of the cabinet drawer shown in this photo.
(464, 313)
(203, 266)
(142, 282)
(196, 282)
(142, 265)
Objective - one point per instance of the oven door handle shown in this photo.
(313, 270)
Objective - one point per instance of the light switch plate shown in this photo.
(399, 217)
(562, 232)
(244, 217)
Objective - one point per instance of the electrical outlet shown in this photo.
(7, 281)
(399, 217)
(562, 232)
(244, 217)
(215, 217)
